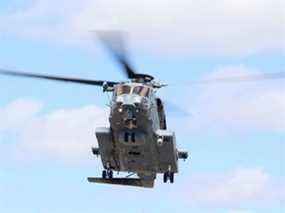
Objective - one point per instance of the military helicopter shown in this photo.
(137, 141)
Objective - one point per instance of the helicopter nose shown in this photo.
(129, 101)
(128, 107)
(129, 116)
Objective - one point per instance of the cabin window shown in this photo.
(133, 137)
(130, 137)
(126, 138)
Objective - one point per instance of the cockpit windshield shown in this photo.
(124, 89)
(141, 91)
(138, 90)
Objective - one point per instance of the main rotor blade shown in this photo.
(174, 110)
(238, 79)
(57, 78)
(114, 43)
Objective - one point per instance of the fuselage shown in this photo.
(137, 140)
(134, 119)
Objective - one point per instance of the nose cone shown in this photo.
(129, 100)
(130, 111)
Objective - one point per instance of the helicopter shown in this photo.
(137, 140)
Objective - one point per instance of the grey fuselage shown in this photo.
(137, 140)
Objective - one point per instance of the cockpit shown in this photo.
(127, 89)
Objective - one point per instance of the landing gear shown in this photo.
(165, 177)
(110, 174)
(104, 174)
(171, 177)
(168, 176)
(107, 174)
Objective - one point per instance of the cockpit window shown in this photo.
(124, 89)
(141, 90)
(138, 90)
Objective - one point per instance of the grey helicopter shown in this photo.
(137, 140)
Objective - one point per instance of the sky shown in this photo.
(235, 132)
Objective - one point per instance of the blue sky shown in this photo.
(234, 132)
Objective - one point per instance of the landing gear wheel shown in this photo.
(171, 177)
(165, 177)
(104, 174)
(110, 174)
(168, 176)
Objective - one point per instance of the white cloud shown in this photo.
(66, 135)
(219, 26)
(245, 106)
(16, 114)
(236, 189)
(240, 211)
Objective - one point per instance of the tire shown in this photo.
(171, 176)
(104, 174)
(110, 174)
(165, 177)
